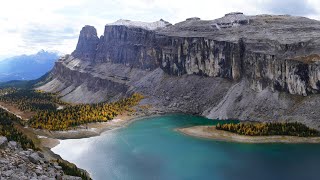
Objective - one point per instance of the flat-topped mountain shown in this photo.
(263, 67)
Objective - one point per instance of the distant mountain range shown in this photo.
(27, 67)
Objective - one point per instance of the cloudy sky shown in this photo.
(28, 26)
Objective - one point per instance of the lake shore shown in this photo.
(51, 139)
(210, 132)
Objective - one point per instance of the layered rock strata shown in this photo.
(246, 67)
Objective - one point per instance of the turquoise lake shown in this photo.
(150, 149)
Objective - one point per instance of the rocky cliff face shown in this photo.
(87, 44)
(265, 62)
(129, 46)
(199, 63)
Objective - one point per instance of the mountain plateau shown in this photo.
(262, 68)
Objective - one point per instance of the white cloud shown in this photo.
(28, 26)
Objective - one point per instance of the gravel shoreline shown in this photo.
(210, 132)
(51, 139)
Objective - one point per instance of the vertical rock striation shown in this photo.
(264, 63)
(259, 67)
(87, 43)
(133, 47)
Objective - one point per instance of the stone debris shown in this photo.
(3, 141)
(19, 164)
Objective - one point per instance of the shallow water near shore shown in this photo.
(152, 149)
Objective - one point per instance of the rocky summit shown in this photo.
(263, 68)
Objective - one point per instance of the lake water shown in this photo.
(150, 149)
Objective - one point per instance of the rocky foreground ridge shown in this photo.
(263, 67)
(19, 164)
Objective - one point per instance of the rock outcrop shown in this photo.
(217, 64)
(16, 163)
(228, 51)
(87, 44)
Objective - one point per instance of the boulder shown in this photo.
(8, 173)
(34, 158)
(40, 154)
(3, 141)
(58, 177)
(58, 167)
(44, 177)
(66, 177)
(13, 145)
(3, 161)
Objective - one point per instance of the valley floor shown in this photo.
(210, 132)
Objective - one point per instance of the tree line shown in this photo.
(270, 128)
(72, 116)
(30, 100)
(8, 129)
